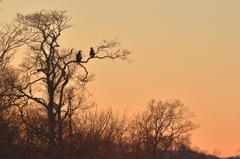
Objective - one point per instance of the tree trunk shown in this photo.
(60, 136)
(51, 135)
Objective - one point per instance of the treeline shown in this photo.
(44, 107)
(94, 134)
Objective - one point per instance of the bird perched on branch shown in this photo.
(92, 53)
(79, 57)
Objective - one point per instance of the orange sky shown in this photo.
(188, 50)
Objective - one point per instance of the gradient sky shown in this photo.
(187, 50)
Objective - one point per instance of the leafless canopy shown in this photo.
(50, 77)
(12, 36)
(160, 127)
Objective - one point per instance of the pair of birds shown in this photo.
(79, 55)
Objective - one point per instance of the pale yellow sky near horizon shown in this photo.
(187, 50)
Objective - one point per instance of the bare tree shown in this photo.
(8, 80)
(99, 134)
(50, 77)
(12, 36)
(159, 128)
(10, 127)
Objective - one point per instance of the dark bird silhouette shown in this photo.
(92, 53)
(79, 57)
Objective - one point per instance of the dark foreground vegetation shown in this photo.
(44, 107)
(100, 134)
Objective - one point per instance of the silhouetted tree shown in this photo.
(50, 78)
(12, 36)
(9, 120)
(99, 134)
(159, 128)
